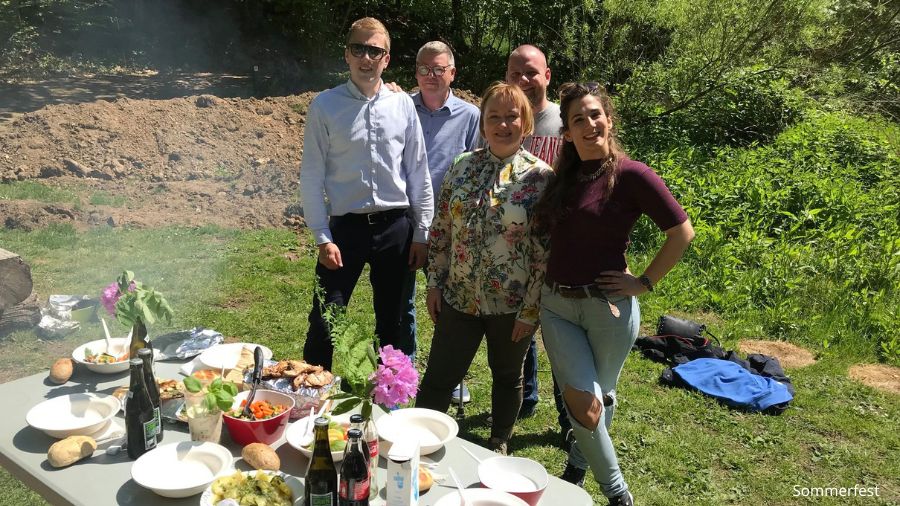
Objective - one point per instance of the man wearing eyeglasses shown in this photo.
(450, 126)
(364, 152)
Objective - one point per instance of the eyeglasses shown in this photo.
(374, 52)
(436, 71)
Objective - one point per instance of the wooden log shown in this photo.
(15, 279)
(22, 316)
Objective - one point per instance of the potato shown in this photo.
(70, 450)
(426, 480)
(261, 456)
(61, 371)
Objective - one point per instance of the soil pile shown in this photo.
(191, 161)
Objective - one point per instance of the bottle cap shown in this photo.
(321, 421)
(357, 418)
(354, 433)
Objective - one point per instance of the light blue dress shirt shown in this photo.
(450, 130)
(364, 155)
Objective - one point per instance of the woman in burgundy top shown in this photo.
(589, 310)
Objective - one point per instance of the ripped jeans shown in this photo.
(587, 347)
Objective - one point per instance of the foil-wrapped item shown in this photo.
(186, 343)
(52, 326)
(304, 397)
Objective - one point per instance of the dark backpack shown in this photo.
(679, 341)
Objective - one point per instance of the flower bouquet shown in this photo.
(134, 305)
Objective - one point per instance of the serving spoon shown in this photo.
(110, 349)
(257, 377)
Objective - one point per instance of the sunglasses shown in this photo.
(374, 52)
(578, 88)
(436, 71)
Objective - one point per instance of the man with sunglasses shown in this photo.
(364, 152)
(450, 126)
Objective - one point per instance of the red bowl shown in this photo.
(268, 431)
(521, 477)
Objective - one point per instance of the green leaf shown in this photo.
(346, 406)
(192, 384)
(230, 387)
(211, 401)
(341, 395)
(366, 410)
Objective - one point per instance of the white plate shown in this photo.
(181, 469)
(226, 356)
(481, 497)
(73, 415)
(434, 429)
(294, 434)
(294, 483)
(99, 346)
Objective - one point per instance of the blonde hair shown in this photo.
(370, 25)
(514, 94)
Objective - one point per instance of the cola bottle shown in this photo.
(321, 478)
(146, 356)
(354, 482)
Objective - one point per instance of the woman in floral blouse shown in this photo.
(486, 266)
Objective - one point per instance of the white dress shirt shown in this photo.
(364, 155)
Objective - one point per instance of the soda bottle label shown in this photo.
(157, 420)
(150, 429)
(354, 490)
(321, 499)
(373, 448)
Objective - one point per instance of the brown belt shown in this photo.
(582, 292)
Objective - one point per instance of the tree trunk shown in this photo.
(24, 315)
(15, 279)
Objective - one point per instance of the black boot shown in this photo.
(574, 475)
(622, 500)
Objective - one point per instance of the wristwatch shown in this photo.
(646, 282)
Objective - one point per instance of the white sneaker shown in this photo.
(466, 397)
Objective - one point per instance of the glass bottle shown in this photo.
(321, 477)
(370, 438)
(138, 338)
(354, 482)
(140, 423)
(146, 356)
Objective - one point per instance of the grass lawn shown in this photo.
(674, 446)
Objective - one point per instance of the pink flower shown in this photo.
(396, 379)
(110, 296)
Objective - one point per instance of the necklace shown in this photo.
(583, 178)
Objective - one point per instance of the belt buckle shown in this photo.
(369, 218)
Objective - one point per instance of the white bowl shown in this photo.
(294, 483)
(295, 431)
(481, 497)
(524, 478)
(74, 414)
(99, 346)
(433, 428)
(181, 469)
(226, 356)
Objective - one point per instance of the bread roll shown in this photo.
(70, 450)
(61, 371)
(425, 480)
(261, 456)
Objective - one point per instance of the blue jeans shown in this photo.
(587, 347)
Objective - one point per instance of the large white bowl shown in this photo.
(433, 428)
(226, 356)
(181, 469)
(295, 431)
(99, 346)
(294, 483)
(74, 414)
(524, 478)
(481, 497)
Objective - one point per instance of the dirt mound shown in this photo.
(193, 161)
(789, 355)
(880, 376)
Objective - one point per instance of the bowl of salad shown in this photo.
(96, 358)
(269, 414)
(338, 426)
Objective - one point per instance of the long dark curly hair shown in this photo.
(552, 207)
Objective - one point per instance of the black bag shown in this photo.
(678, 341)
(672, 326)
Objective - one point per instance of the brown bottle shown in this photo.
(140, 424)
(146, 356)
(138, 337)
(321, 477)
